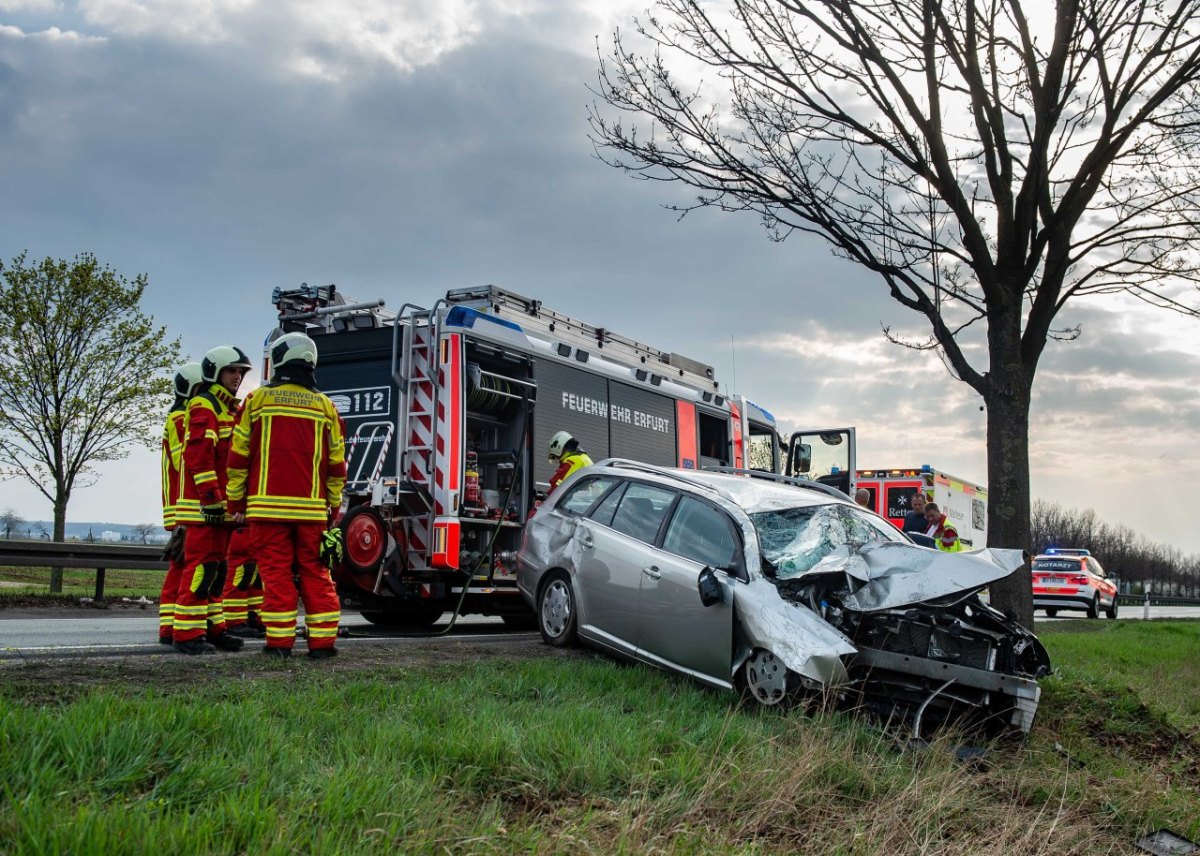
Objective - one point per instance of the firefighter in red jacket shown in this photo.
(287, 468)
(187, 379)
(565, 451)
(199, 622)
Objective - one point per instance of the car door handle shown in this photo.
(652, 572)
(585, 538)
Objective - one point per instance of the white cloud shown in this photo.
(52, 34)
(28, 5)
(191, 20)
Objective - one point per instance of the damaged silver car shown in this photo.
(783, 592)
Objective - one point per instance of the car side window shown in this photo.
(641, 511)
(603, 512)
(704, 534)
(584, 495)
(1096, 569)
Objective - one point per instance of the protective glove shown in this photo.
(332, 548)
(214, 514)
(173, 551)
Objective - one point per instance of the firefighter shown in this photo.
(199, 621)
(565, 451)
(287, 469)
(940, 529)
(189, 376)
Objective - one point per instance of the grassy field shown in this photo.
(19, 583)
(527, 749)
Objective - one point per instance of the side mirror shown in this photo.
(711, 592)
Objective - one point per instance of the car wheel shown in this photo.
(1093, 610)
(764, 679)
(556, 611)
(1051, 612)
(1111, 612)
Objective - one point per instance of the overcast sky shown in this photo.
(398, 149)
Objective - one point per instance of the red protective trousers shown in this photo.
(198, 601)
(243, 594)
(166, 600)
(285, 551)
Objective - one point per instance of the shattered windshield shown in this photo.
(794, 540)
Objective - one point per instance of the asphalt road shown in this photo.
(83, 632)
(42, 633)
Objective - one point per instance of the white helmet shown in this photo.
(293, 347)
(558, 443)
(223, 357)
(186, 379)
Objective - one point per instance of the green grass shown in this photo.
(572, 754)
(80, 582)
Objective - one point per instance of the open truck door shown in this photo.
(825, 455)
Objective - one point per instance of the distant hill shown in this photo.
(89, 531)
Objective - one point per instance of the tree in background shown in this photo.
(987, 161)
(143, 531)
(11, 522)
(84, 375)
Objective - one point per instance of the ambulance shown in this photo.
(964, 503)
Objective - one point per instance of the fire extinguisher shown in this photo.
(471, 494)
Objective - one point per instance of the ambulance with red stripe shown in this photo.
(963, 502)
(448, 413)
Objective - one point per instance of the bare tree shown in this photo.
(989, 160)
(11, 522)
(145, 530)
(84, 375)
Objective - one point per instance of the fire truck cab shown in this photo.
(448, 413)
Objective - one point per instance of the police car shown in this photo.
(1069, 578)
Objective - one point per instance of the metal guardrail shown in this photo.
(81, 554)
(1157, 600)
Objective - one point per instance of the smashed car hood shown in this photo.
(896, 575)
(804, 641)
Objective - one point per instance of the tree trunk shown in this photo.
(60, 535)
(1007, 400)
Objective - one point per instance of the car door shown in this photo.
(617, 536)
(675, 629)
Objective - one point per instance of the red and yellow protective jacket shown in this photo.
(288, 460)
(172, 460)
(210, 418)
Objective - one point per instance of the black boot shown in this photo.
(321, 653)
(195, 646)
(225, 642)
(166, 640)
(277, 653)
(245, 631)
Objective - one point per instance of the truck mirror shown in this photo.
(803, 458)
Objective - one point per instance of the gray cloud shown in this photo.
(261, 145)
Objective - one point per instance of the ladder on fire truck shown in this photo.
(415, 371)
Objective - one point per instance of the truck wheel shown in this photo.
(556, 611)
(1093, 610)
(520, 622)
(1051, 612)
(1111, 612)
(413, 615)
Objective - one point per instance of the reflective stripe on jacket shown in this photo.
(210, 418)
(172, 460)
(569, 463)
(288, 458)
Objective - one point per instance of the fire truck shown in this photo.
(448, 414)
(963, 503)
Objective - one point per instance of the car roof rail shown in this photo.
(627, 464)
(776, 477)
